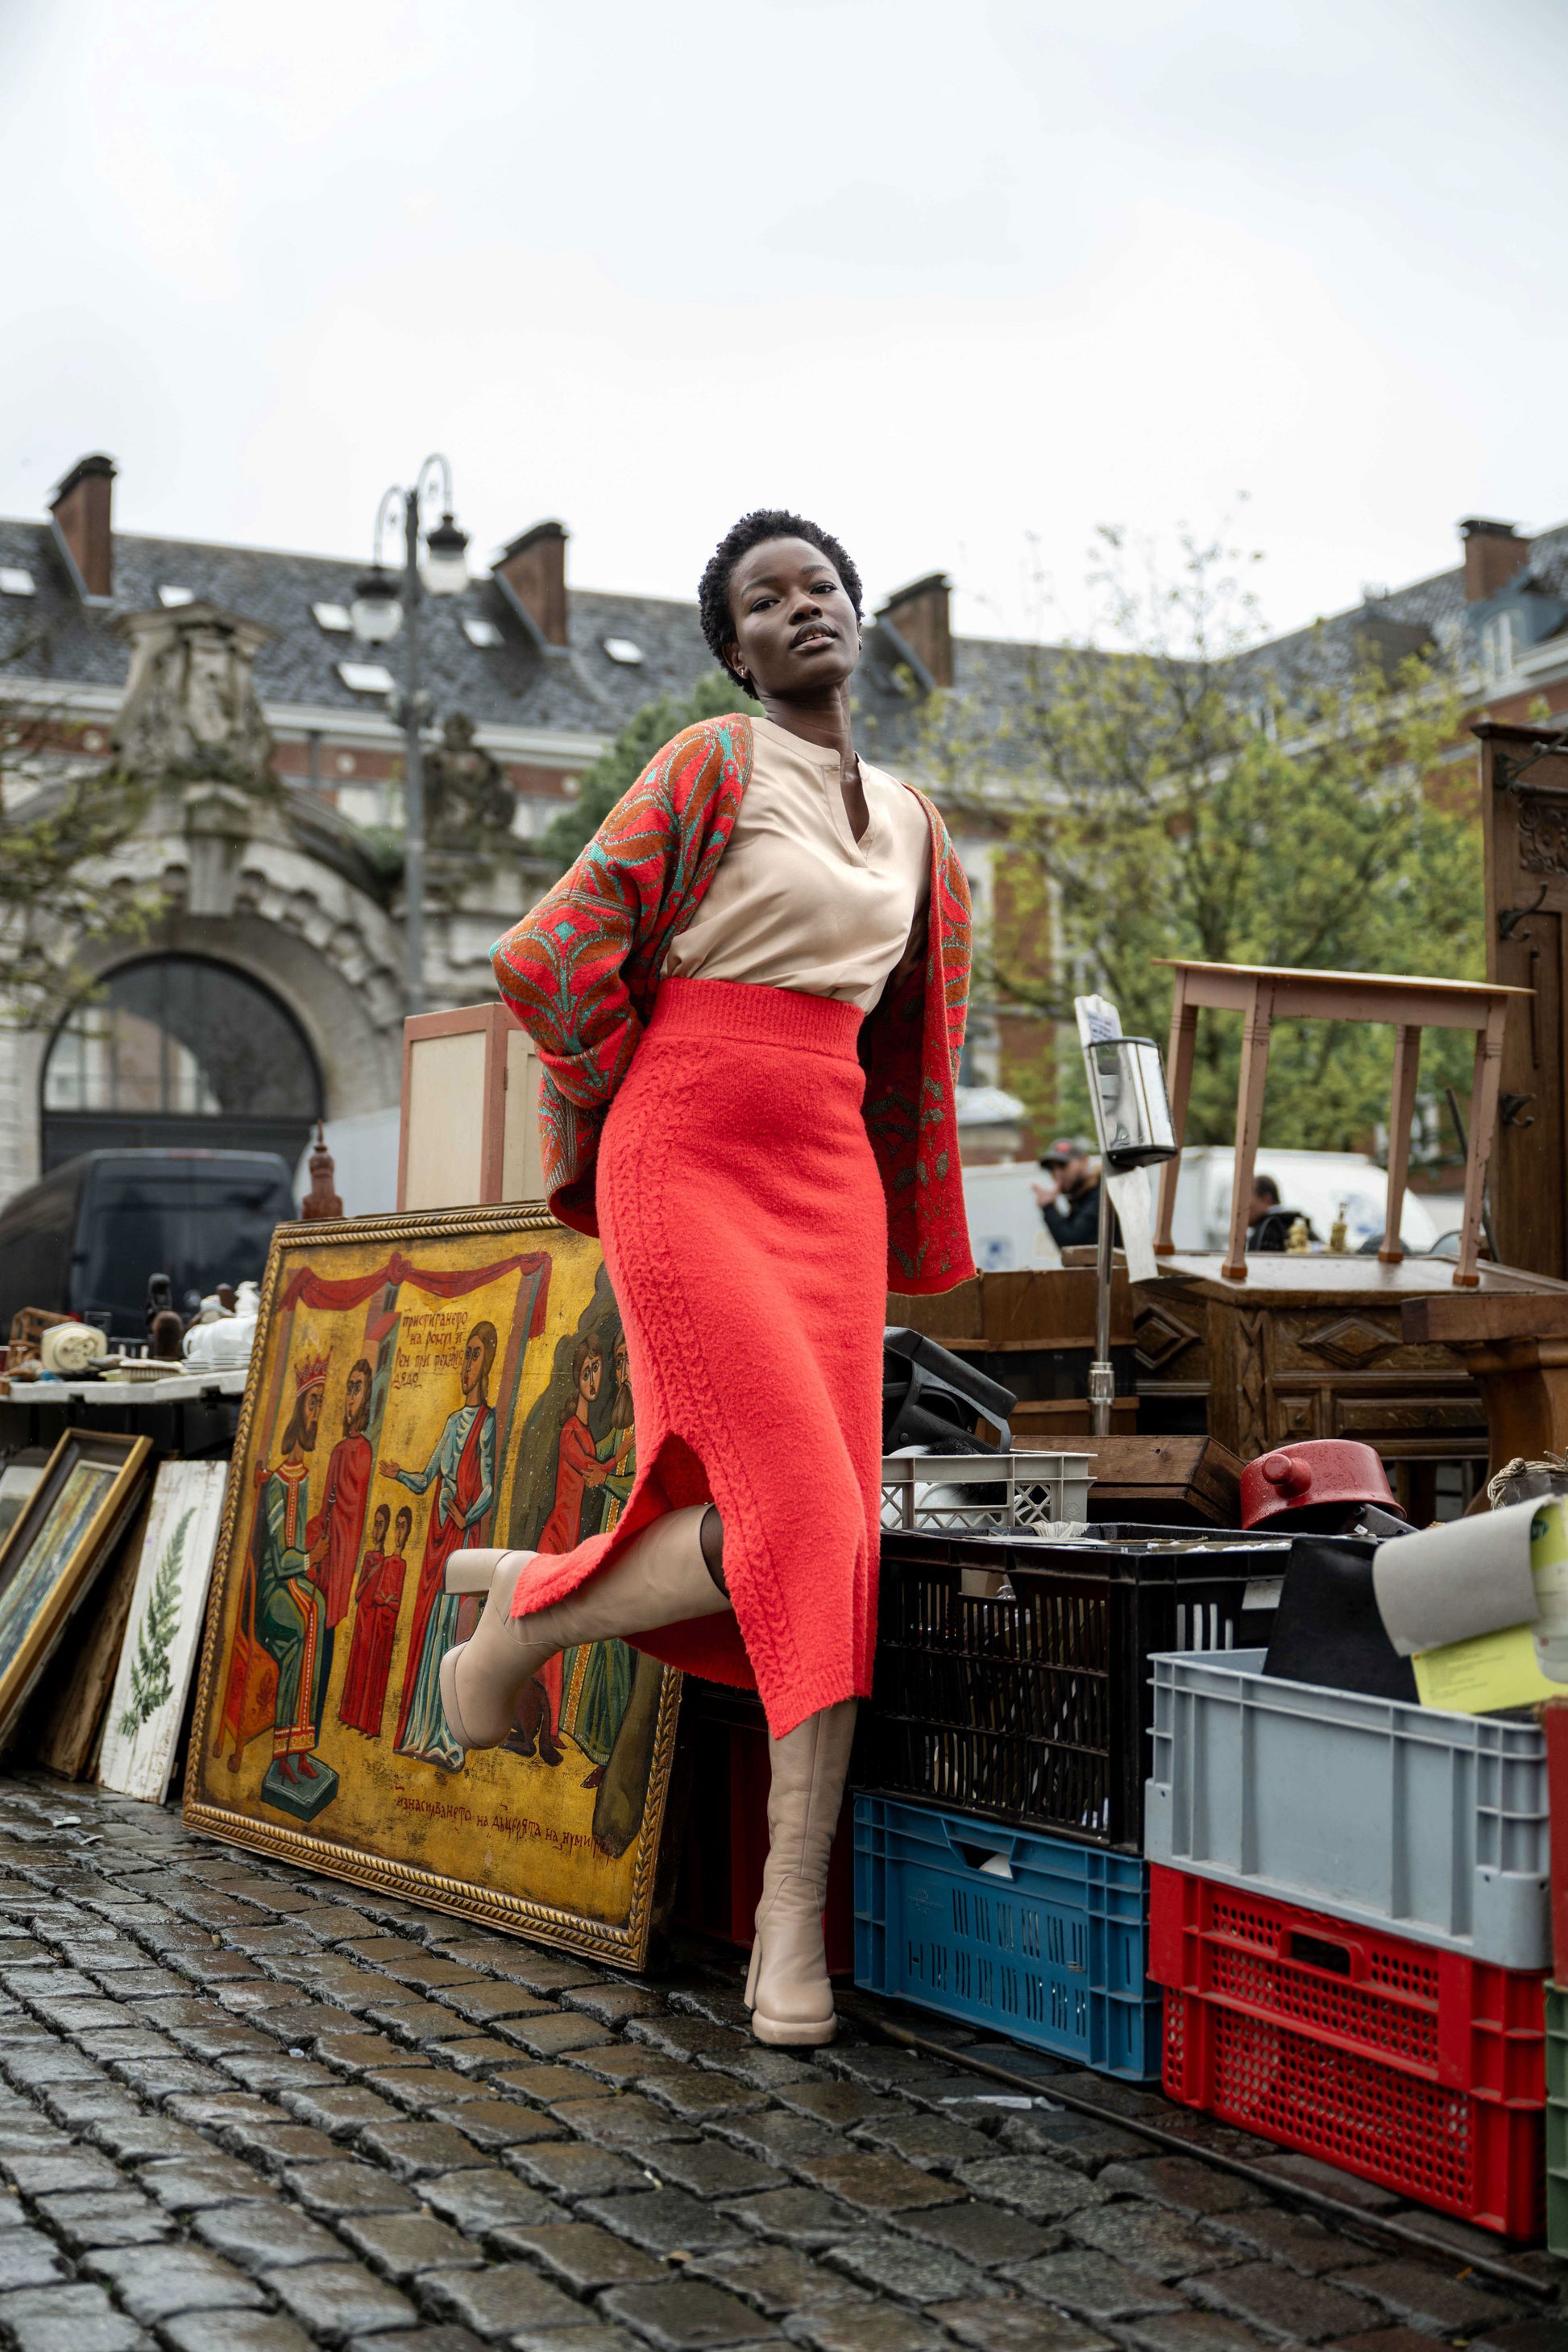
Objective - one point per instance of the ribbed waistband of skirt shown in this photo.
(753, 1015)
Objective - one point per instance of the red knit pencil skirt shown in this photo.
(745, 1228)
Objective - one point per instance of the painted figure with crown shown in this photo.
(462, 1469)
(290, 1614)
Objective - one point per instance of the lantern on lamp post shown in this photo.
(386, 603)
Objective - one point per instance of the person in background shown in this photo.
(1268, 1222)
(1264, 1199)
(1070, 1203)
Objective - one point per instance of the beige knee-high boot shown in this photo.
(661, 1578)
(787, 1991)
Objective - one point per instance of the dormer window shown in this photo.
(171, 597)
(624, 649)
(15, 582)
(1497, 645)
(333, 618)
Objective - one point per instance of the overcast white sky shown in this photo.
(962, 280)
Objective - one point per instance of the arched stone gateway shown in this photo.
(179, 1049)
(264, 988)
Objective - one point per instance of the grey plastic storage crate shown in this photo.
(1394, 1816)
(1024, 1491)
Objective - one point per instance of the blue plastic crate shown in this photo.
(1037, 1938)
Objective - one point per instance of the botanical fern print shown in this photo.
(581, 972)
(151, 1685)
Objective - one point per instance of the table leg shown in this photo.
(1407, 1066)
(1179, 1084)
(1249, 1123)
(1483, 1122)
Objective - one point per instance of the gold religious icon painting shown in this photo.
(421, 1384)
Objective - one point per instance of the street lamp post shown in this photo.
(384, 604)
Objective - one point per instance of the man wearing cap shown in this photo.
(1069, 1202)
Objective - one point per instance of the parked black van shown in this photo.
(84, 1240)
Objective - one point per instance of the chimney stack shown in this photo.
(532, 570)
(920, 615)
(1494, 551)
(83, 513)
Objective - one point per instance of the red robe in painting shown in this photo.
(342, 1516)
(379, 1599)
(443, 1536)
(563, 1528)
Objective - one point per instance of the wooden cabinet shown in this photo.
(1318, 1346)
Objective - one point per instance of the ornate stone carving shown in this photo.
(191, 708)
(468, 801)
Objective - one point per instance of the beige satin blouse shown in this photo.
(796, 901)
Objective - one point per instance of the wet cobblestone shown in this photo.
(241, 2108)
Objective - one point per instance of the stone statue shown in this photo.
(467, 802)
(191, 705)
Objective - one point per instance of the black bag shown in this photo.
(1327, 1629)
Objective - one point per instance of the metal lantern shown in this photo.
(1132, 1112)
(1133, 1127)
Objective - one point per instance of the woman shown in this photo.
(748, 997)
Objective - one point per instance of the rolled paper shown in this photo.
(1453, 1582)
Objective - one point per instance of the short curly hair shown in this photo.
(761, 523)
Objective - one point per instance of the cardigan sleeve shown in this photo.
(581, 970)
(564, 970)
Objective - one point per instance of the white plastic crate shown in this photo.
(1021, 1492)
(1386, 1814)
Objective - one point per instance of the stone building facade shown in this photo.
(266, 989)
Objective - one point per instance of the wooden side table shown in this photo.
(1265, 993)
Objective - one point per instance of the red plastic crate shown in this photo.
(1414, 2067)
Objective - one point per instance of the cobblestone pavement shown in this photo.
(249, 2109)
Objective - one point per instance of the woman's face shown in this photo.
(796, 630)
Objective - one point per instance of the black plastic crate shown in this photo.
(1012, 1675)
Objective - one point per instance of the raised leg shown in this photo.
(1402, 1111)
(1483, 1122)
(662, 1577)
(1179, 1078)
(1248, 1122)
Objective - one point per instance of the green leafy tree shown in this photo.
(1163, 791)
(615, 770)
(151, 1684)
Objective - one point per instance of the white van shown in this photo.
(1319, 1184)
(1008, 1233)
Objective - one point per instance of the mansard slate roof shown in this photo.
(1434, 607)
(578, 689)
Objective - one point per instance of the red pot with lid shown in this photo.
(1316, 1475)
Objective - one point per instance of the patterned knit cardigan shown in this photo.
(580, 971)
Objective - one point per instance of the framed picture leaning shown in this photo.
(59, 1541)
(420, 1383)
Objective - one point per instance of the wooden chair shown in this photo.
(1266, 994)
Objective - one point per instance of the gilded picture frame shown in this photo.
(425, 1382)
(56, 1544)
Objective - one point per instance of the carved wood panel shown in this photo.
(1524, 808)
